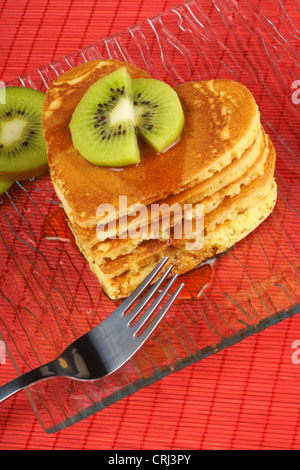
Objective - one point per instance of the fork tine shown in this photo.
(140, 289)
(159, 316)
(136, 310)
(146, 315)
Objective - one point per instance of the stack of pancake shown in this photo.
(222, 166)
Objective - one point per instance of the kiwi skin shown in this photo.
(25, 175)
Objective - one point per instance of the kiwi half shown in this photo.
(159, 116)
(22, 146)
(115, 109)
(103, 125)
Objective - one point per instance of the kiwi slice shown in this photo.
(115, 109)
(158, 112)
(103, 123)
(22, 145)
(5, 185)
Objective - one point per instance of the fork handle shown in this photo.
(34, 375)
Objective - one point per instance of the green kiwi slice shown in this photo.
(116, 109)
(103, 123)
(159, 115)
(22, 146)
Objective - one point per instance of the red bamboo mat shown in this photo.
(245, 397)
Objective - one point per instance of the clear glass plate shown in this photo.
(48, 294)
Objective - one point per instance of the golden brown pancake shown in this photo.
(229, 210)
(239, 171)
(223, 237)
(112, 248)
(221, 121)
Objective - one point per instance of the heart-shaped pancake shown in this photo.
(223, 161)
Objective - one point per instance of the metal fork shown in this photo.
(109, 345)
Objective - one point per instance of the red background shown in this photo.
(245, 397)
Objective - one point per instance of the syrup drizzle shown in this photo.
(55, 227)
